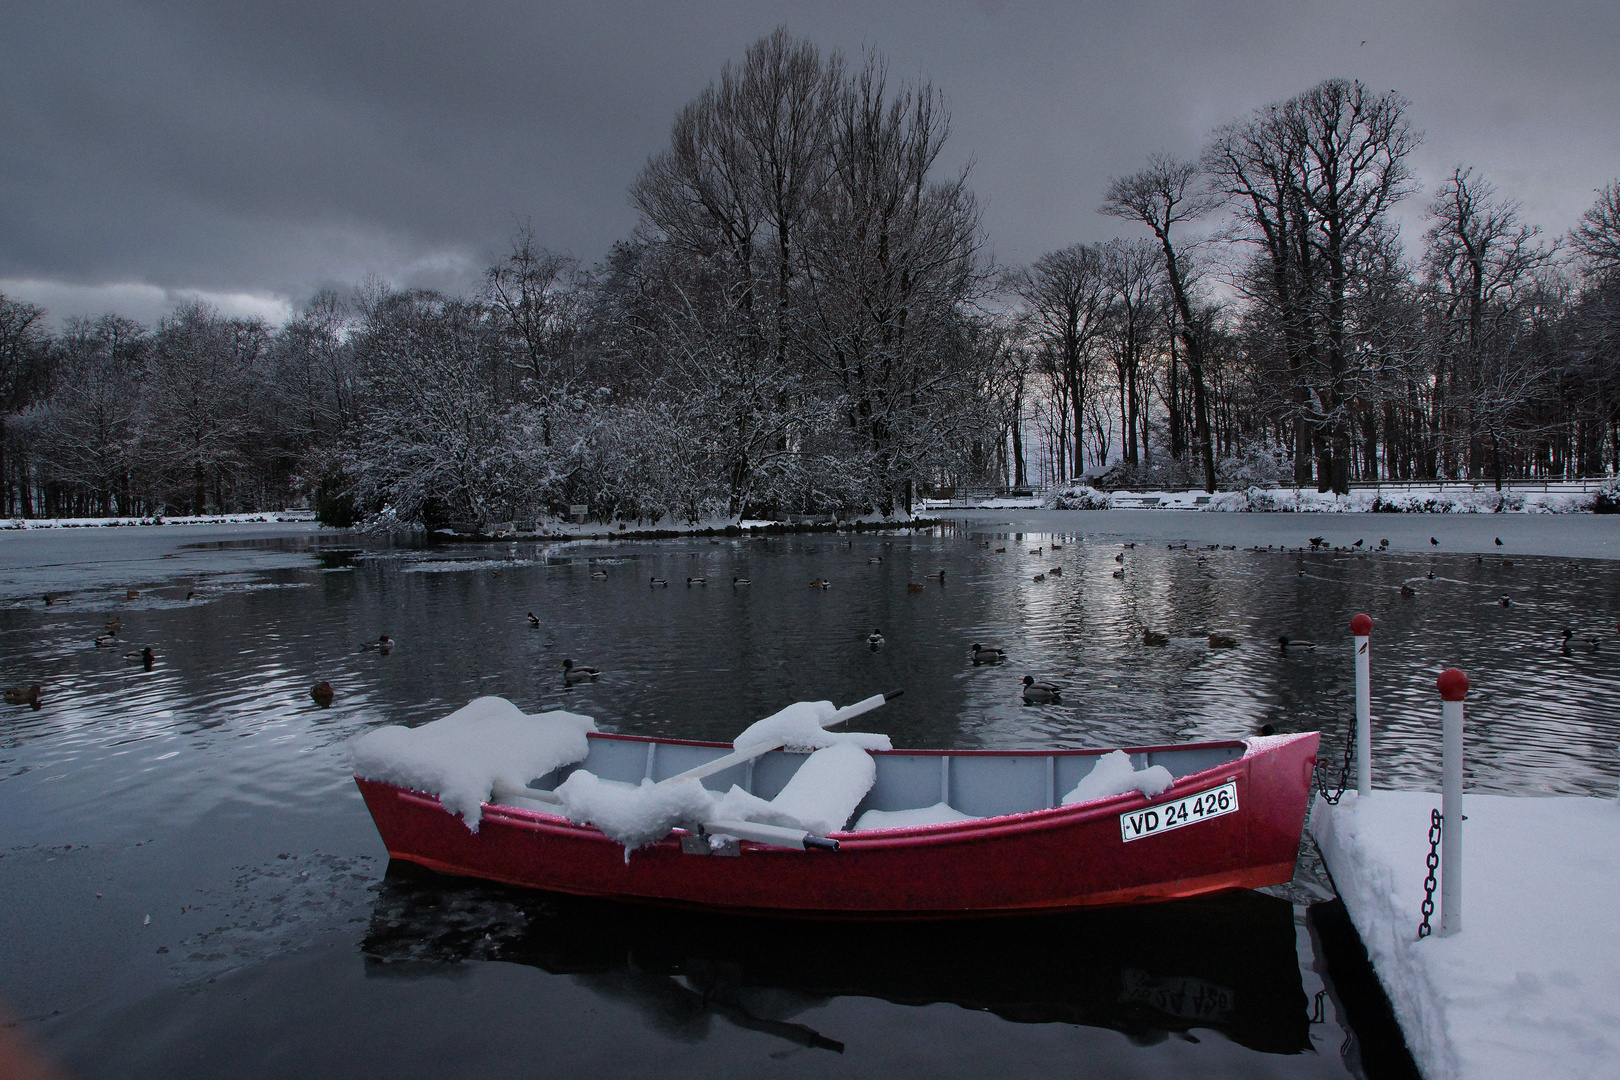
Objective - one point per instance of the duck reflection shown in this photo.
(1225, 963)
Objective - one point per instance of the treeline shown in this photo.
(804, 322)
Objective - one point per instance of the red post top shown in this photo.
(1453, 685)
(1361, 626)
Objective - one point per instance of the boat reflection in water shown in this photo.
(1225, 963)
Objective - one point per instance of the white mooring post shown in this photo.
(1453, 686)
(1361, 626)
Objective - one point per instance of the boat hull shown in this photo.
(1055, 859)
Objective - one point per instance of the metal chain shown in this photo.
(1334, 796)
(1428, 882)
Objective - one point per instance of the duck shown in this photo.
(1119, 573)
(985, 654)
(741, 581)
(658, 583)
(691, 581)
(1128, 544)
(1153, 637)
(573, 673)
(1506, 601)
(534, 620)
(1286, 643)
(105, 641)
(1407, 590)
(599, 575)
(914, 586)
(1317, 541)
(191, 595)
(1587, 636)
(1056, 547)
(1056, 571)
(1431, 575)
(1433, 542)
(1384, 543)
(874, 560)
(1035, 551)
(1040, 577)
(1120, 557)
(1222, 641)
(820, 583)
(1040, 692)
(383, 644)
(49, 599)
(1356, 544)
(874, 640)
(941, 575)
(132, 594)
(1498, 541)
(114, 625)
(24, 695)
(144, 657)
(322, 693)
(1001, 551)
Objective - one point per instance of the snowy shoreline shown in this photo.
(1416, 499)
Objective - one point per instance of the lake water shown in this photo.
(247, 922)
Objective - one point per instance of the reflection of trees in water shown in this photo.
(1227, 963)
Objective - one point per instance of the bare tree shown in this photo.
(1067, 295)
(1162, 197)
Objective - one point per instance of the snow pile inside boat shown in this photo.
(1114, 775)
(463, 756)
(938, 814)
(633, 815)
(799, 727)
(818, 800)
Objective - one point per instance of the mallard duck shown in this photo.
(820, 583)
(1286, 643)
(874, 560)
(1128, 544)
(599, 575)
(573, 673)
(1120, 557)
(144, 657)
(658, 583)
(1407, 590)
(1587, 636)
(1222, 641)
(132, 594)
(1431, 575)
(1001, 551)
(874, 640)
(1119, 573)
(914, 586)
(105, 641)
(1056, 571)
(1153, 637)
(941, 575)
(383, 644)
(114, 625)
(534, 620)
(1506, 601)
(1039, 692)
(741, 581)
(985, 654)
(1034, 551)
(24, 695)
(322, 693)
(691, 581)
(1040, 577)
(1057, 547)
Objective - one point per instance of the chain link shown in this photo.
(1433, 864)
(1333, 796)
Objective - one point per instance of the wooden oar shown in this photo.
(749, 753)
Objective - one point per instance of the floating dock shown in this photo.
(1529, 986)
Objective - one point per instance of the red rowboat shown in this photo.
(1231, 820)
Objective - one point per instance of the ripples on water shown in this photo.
(219, 743)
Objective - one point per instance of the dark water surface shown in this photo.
(248, 923)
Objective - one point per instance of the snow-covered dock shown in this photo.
(1530, 986)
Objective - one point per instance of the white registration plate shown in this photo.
(1184, 811)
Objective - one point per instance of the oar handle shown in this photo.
(866, 705)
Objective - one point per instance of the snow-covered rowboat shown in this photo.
(1231, 818)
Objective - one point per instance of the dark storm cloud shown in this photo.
(268, 149)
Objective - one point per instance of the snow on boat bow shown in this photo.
(954, 833)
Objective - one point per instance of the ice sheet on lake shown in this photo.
(1529, 986)
(799, 727)
(461, 757)
(1114, 775)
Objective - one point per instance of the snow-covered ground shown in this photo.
(1530, 987)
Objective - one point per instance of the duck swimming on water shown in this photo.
(24, 695)
(1286, 643)
(874, 640)
(1038, 692)
(985, 654)
(573, 673)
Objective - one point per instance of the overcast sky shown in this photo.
(252, 152)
